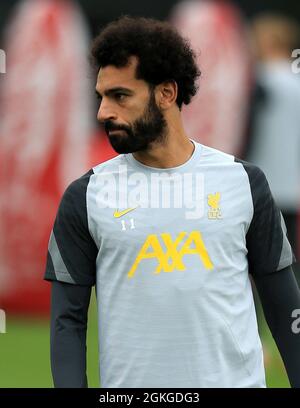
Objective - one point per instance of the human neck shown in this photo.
(175, 150)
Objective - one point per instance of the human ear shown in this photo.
(167, 94)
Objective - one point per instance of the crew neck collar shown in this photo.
(189, 163)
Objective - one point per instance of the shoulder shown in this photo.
(75, 194)
(81, 182)
(255, 173)
(79, 185)
(214, 156)
(257, 179)
(76, 190)
(263, 202)
(111, 165)
(210, 155)
(73, 203)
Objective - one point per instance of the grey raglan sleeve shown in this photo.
(267, 242)
(72, 251)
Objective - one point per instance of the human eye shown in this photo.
(120, 97)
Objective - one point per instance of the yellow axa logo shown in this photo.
(172, 258)
(118, 214)
(213, 200)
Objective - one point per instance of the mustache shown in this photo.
(109, 126)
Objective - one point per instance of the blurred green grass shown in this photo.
(25, 353)
(25, 361)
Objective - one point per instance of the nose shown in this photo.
(106, 112)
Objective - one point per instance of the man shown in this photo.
(275, 123)
(168, 231)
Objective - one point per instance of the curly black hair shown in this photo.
(163, 54)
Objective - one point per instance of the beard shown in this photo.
(147, 129)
